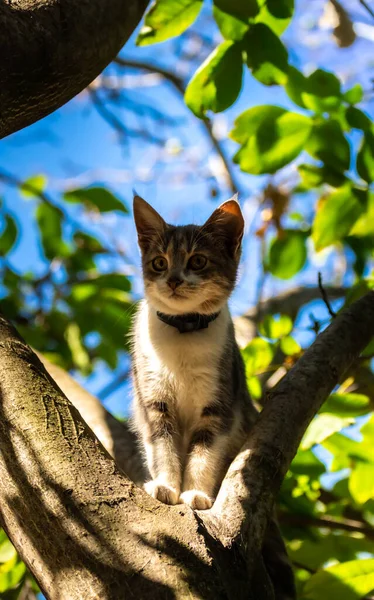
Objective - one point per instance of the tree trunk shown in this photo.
(52, 49)
(87, 531)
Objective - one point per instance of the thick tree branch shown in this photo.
(116, 437)
(246, 497)
(52, 49)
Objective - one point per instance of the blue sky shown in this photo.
(75, 144)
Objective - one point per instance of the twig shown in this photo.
(324, 296)
(113, 385)
(179, 85)
(327, 522)
(368, 8)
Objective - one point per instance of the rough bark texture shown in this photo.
(86, 531)
(52, 49)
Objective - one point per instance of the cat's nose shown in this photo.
(174, 282)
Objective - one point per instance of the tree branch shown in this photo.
(326, 522)
(288, 303)
(53, 49)
(179, 85)
(247, 494)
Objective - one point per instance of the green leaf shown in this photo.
(321, 91)
(289, 346)
(354, 95)
(275, 326)
(313, 176)
(335, 216)
(322, 427)
(7, 550)
(217, 83)
(254, 387)
(9, 236)
(328, 143)
(232, 17)
(361, 482)
(357, 119)
(346, 581)
(346, 405)
(90, 287)
(287, 254)
(278, 25)
(96, 197)
(166, 19)
(33, 186)
(257, 355)
(270, 136)
(306, 463)
(295, 86)
(49, 219)
(11, 573)
(365, 157)
(77, 349)
(280, 9)
(266, 55)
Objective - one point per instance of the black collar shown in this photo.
(189, 322)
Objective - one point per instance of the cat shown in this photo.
(192, 410)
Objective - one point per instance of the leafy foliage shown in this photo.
(78, 311)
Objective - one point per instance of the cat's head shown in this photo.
(189, 268)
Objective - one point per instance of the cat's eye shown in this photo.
(160, 263)
(197, 262)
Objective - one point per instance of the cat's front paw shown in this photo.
(161, 491)
(196, 499)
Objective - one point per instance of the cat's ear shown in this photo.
(228, 220)
(147, 220)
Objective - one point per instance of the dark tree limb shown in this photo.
(52, 49)
(245, 500)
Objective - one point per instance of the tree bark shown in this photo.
(86, 531)
(52, 49)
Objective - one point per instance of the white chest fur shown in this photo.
(187, 363)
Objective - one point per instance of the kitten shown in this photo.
(192, 410)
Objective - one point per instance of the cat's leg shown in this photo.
(160, 438)
(205, 465)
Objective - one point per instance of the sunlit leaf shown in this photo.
(335, 216)
(287, 254)
(328, 143)
(257, 355)
(321, 91)
(290, 346)
(266, 55)
(354, 95)
(9, 235)
(33, 186)
(347, 581)
(361, 482)
(275, 326)
(7, 550)
(77, 349)
(313, 176)
(233, 16)
(217, 83)
(49, 219)
(166, 19)
(365, 157)
(254, 387)
(278, 25)
(96, 197)
(322, 427)
(270, 137)
(349, 405)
